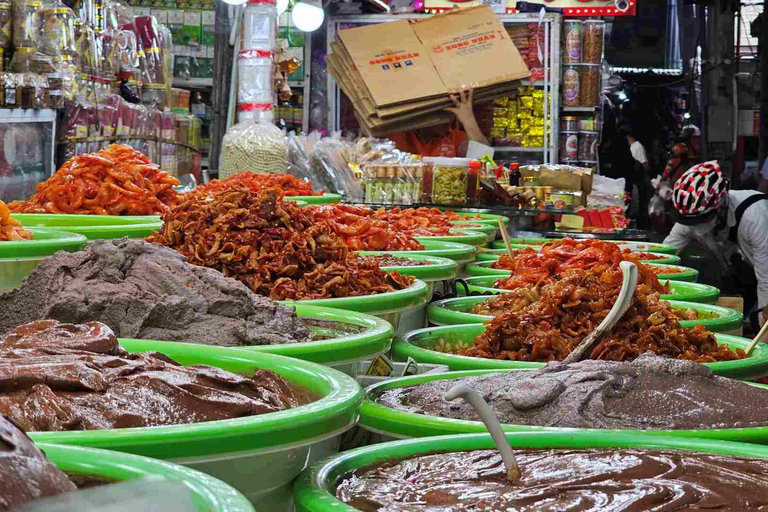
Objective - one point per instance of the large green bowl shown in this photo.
(398, 424)
(461, 236)
(456, 311)
(634, 246)
(326, 198)
(681, 290)
(483, 268)
(94, 227)
(460, 253)
(209, 494)
(494, 254)
(436, 269)
(257, 455)
(341, 352)
(314, 491)
(388, 306)
(45, 242)
(489, 230)
(421, 345)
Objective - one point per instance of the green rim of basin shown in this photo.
(401, 300)
(460, 253)
(494, 254)
(437, 269)
(45, 242)
(481, 269)
(94, 227)
(326, 198)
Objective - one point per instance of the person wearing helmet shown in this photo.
(703, 203)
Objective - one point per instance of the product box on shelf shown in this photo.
(208, 37)
(192, 26)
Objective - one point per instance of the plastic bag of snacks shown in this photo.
(254, 147)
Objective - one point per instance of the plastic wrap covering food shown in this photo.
(57, 30)
(153, 43)
(25, 23)
(6, 24)
(255, 76)
(394, 178)
(606, 192)
(329, 163)
(85, 42)
(74, 130)
(259, 25)
(299, 149)
(254, 147)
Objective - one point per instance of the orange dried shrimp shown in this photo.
(10, 228)
(275, 247)
(117, 180)
(569, 309)
(257, 183)
(531, 267)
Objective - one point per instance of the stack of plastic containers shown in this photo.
(255, 62)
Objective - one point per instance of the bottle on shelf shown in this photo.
(514, 174)
(197, 105)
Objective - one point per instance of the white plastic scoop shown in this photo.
(486, 414)
(628, 284)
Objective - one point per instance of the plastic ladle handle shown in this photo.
(491, 423)
(628, 284)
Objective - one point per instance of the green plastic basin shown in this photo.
(460, 253)
(437, 269)
(486, 218)
(634, 246)
(681, 290)
(45, 242)
(398, 424)
(388, 306)
(326, 198)
(423, 346)
(456, 311)
(94, 227)
(209, 494)
(489, 230)
(14, 270)
(257, 455)
(461, 236)
(494, 254)
(342, 352)
(314, 490)
(483, 268)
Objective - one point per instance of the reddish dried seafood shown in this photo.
(361, 230)
(117, 180)
(258, 183)
(531, 267)
(277, 248)
(573, 306)
(10, 228)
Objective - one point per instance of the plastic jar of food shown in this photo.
(259, 24)
(57, 34)
(450, 177)
(590, 85)
(588, 146)
(569, 146)
(255, 76)
(592, 47)
(569, 124)
(571, 86)
(572, 36)
(25, 29)
(587, 124)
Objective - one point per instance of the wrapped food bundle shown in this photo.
(254, 147)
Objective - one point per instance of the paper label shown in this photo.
(81, 132)
(380, 366)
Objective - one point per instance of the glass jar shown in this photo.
(569, 124)
(571, 86)
(588, 146)
(572, 36)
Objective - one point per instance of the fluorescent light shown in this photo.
(308, 15)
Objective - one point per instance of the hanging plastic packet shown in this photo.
(253, 147)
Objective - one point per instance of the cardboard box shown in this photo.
(400, 74)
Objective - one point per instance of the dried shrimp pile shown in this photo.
(275, 247)
(117, 180)
(361, 230)
(258, 183)
(569, 309)
(531, 267)
(10, 229)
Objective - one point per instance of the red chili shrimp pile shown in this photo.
(258, 183)
(361, 230)
(532, 267)
(570, 308)
(277, 248)
(117, 180)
